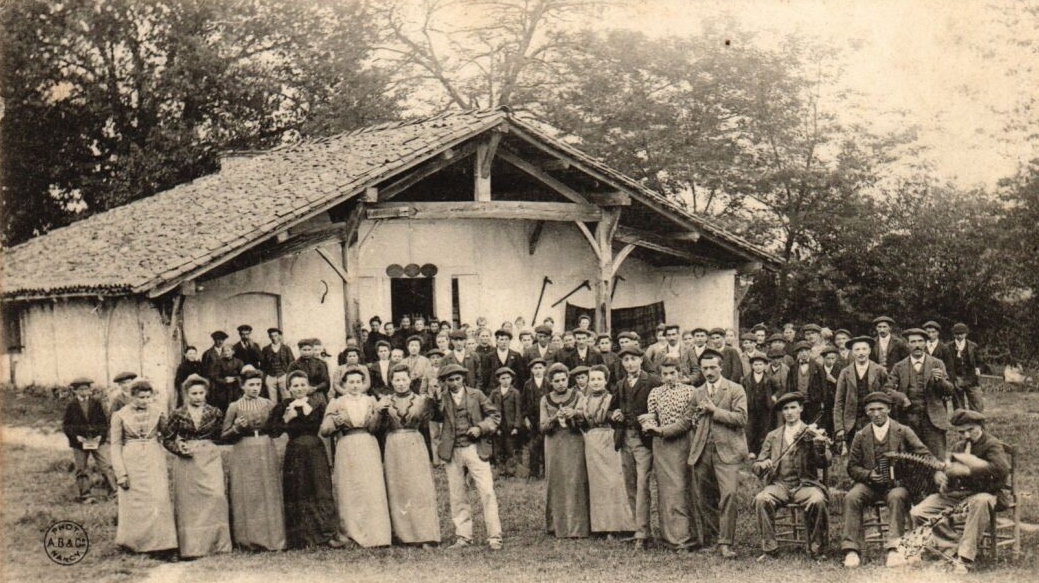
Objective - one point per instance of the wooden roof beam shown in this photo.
(442, 161)
(505, 210)
(542, 177)
(654, 242)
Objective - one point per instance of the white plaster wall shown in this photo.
(67, 339)
(309, 291)
(500, 280)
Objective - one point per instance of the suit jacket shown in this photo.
(591, 358)
(531, 399)
(271, 361)
(861, 459)
(809, 457)
(247, 354)
(935, 392)
(760, 398)
(897, 349)
(533, 352)
(990, 479)
(93, 424)
(972, 360)
(655, 355)
(510, 407)
(380, 384)
(818, 398)
(469, 363)
(483, 415)
(317, 372)
(941, 352)
(491, 363)
(846, 407)
(732, 364)
(725, 425)
(631, 401)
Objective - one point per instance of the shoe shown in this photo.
(726, 552)
(460, 543)
(428, 546)
(494, 544)
(640, 544)
(852, 560)
(960, 567)
(768, 556)
(895, 560)
(335, 543)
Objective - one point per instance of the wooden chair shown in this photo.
(1009, 532)
(874, 526)
(791, 527)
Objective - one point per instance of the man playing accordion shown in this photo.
(871, 470)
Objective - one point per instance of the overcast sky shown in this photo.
(942, 64)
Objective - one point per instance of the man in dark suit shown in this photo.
(882, 435)
(860, 378)
(807, 378)
(965, 369)
(635, 446)
(762, 392)
(719, 447)
(888, 349)
(732, 365)
(924, 381)
(460, 356)
(211, 357)
(583, 354)
(469, 420)
(934, 345)
(86, 426)
(245, 349)
(541, 348)
(501, 357)
(605, 345)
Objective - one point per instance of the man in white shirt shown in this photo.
(874, 478)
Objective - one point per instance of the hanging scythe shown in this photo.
(613, 288)
(586, 284)
(544, 283)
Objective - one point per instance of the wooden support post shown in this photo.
(481, 181)
(535, 237)
(349, 258)
(604, 232)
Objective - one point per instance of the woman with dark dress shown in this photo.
(566, 470)
(198, 473)
(310, 508)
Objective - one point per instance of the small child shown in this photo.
(507, 400)
(86, 426)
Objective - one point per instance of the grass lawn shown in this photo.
(38, 489)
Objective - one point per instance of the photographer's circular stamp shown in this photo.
(66, 542)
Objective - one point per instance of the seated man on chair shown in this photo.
(788, 464)
(976, 474)
(868, 449)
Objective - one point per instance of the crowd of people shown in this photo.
(592, 414)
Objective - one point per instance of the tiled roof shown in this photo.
(146, 244)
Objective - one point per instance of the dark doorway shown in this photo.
(411, 296)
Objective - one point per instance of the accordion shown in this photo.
(914, 472)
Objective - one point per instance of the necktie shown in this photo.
(918, 366)
(710, 390)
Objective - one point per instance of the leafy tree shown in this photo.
(108, 101)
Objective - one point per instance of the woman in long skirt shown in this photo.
(257, 518)
(409, 475)
(310, 508)
(198, 473)
(360, 490)
(609, 510)
(139, 461)
(566, 509)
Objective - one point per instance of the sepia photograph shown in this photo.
(519, 290)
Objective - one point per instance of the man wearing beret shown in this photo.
(922, 378)
(461, 356)
(789, 464)
(246, 350)
(275, 360)
(841, 337)
(468, 421)
(541, 349)
(86, 427)
(888, 349)
(860, 378)
(719, 447)
(534, 389)
(119, 396)
(865, 461)
(976, 476)
(965, 368)
(583, 354)
(762, 392)
(732, 366)
(807, 378)
(632, 392)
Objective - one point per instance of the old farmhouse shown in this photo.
(458, 216)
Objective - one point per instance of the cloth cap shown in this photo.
(631, 350)
(125, 376)
(434, 352)
(504, 370)
(245, 328)
(577, 370)
(717, 332)
(546, 330)
(881, 319)
(503, 332)
(867, 339)
(749, 337)
(80, 381)
(932, 324)
(960, 328)
(757, 327)
(756, 355)
(628, 335)
(788, 398)
(415, 338)
(966, 417)
(219, 335)
(273, 330)
(842, 331)
(540, 361)
(582, 332)
(878, 397)
(452, 369)
(457, 335)
(776, 338)
(811, 328)
(915, 332)
(556, 368)
(776, 353)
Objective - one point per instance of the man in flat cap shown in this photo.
(507, 400)
(789, 465)
(719, 447)
(934, 345)
(85, 424)
(636, 447)
(732, 366)
(502, 357)
(534, 389)
(874, 478)
(468, 421)
(583, 354)
(807, 378)
(965, 368)
(762, 392)
(976, 475)
(748, 347)
(463, 357)
(860, 378)
(841, 336)
(672, 347)
(211, 357)
(275, 360)
(541, 349)
(119, 396)
(247, 350)
(924, 381)
(888, 349)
